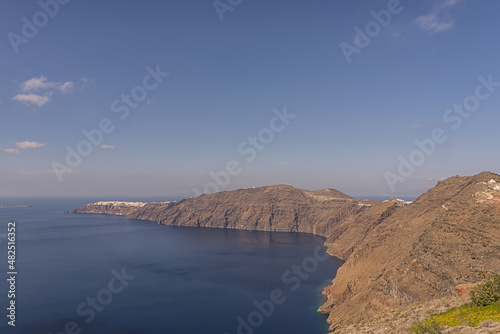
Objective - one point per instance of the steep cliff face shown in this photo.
(396, 253)
(273, 208)
(422, 251)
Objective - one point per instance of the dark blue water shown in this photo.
(173, 280)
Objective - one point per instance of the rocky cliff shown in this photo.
(273, 208)
(422, 251)
(396, 253)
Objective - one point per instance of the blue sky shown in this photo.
(229, 79)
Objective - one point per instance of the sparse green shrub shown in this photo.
(429, 326)
(485, 305)
(486, 293)
(465, 315)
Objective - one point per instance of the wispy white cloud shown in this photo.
(449, 3)
(432, 23)
(39, 90)
(22, 145)
(35, 84)
(87, 80)
(13, 151)
(42, 83)
(439, 18)
(107, 147)
(31, 98)
(66, 87)
(29, 144)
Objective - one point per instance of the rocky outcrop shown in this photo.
(396, 253)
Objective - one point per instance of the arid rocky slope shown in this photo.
(447, 237)
(273, 208)
(396, 254)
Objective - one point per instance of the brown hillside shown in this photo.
(448, 236)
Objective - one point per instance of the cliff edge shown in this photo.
(423, 251)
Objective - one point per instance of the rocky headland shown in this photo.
(396, 254)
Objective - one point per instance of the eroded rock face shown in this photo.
(396, 253)
(273, 208)
(464, 289)
(445, 238)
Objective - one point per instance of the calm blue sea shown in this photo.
(106, 274)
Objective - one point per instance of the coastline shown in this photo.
(185, 260)
(320, 290)
(279, 208)
(396, 253)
